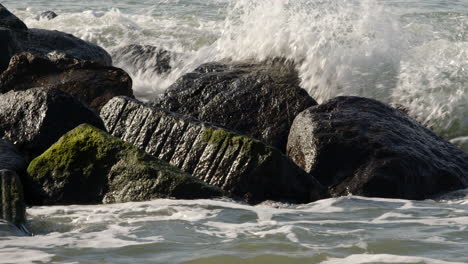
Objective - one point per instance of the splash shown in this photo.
(341, 47)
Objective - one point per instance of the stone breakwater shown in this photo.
(71, 133)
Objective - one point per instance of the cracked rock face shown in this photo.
(243, 167)
(88, 81)
(257, 99)
(87, 166)
(364, 147)
(34, 119)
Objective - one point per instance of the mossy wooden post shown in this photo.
(12, 206)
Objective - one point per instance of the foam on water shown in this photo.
(369, 48)
(339, 230)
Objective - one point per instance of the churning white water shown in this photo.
(412, 53)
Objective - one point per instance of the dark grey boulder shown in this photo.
(87, 165)
(10, 158)
(256, 99)
(12, 205)
(91, 82)
(34, 119)
(10, 21)
(360, 146)
(142, 58)
(49, 15)
(41, 42)
(8, 47)
(243, 167)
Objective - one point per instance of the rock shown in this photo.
(10, 158)
(34, 119)
(7, 48)
(360, 146)
(88, 81)
(10, 21)
(12, 205)
(243, 167)
(256, 99)
(143, 58)
(87, 165)
(49, 15)
(42, 42)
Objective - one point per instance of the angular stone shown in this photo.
(34, 119)
(7, 48)
(244, 167)
(12, 205)
(360, 146)
(256, 99)
(8, 20)
(87, 165)
(88, 81)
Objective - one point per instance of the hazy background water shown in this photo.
(413, 53)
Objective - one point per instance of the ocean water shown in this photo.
(413, 53)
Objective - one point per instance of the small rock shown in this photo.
(10, 158)
(12, 205)
(257, 99)
(87, 165)
(360, 146)
(49, 15)
(143, 58)
(88, 81)
(242, 166)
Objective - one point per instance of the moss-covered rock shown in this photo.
(12, 205)
(87, 165)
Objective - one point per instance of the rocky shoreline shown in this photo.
(71, 132)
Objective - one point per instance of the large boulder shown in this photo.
(360, 146)
(142, 58)
(10, 21)
(34, 119)
(12, 205)
(256, 99)
(91, 82)
(87, 165)
(244, 167)
(41, 42)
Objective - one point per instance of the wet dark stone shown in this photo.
(143, 58)
(245, 168)
(49, 15)
(360, 146)
(34, 119)
(91, 82)
(257, 99)
(10, 21)
(12, 204)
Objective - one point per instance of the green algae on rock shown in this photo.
(87, 165)
(12, 205)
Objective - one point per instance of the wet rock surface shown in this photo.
(257, 99)
(142, 58)
(34, 119)
(41, 42)
(10, 21)
(243, 167)
(49, 15)
(91, 82)
(87, 165)
(10, 158)
(360, 146)
(12, 204)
